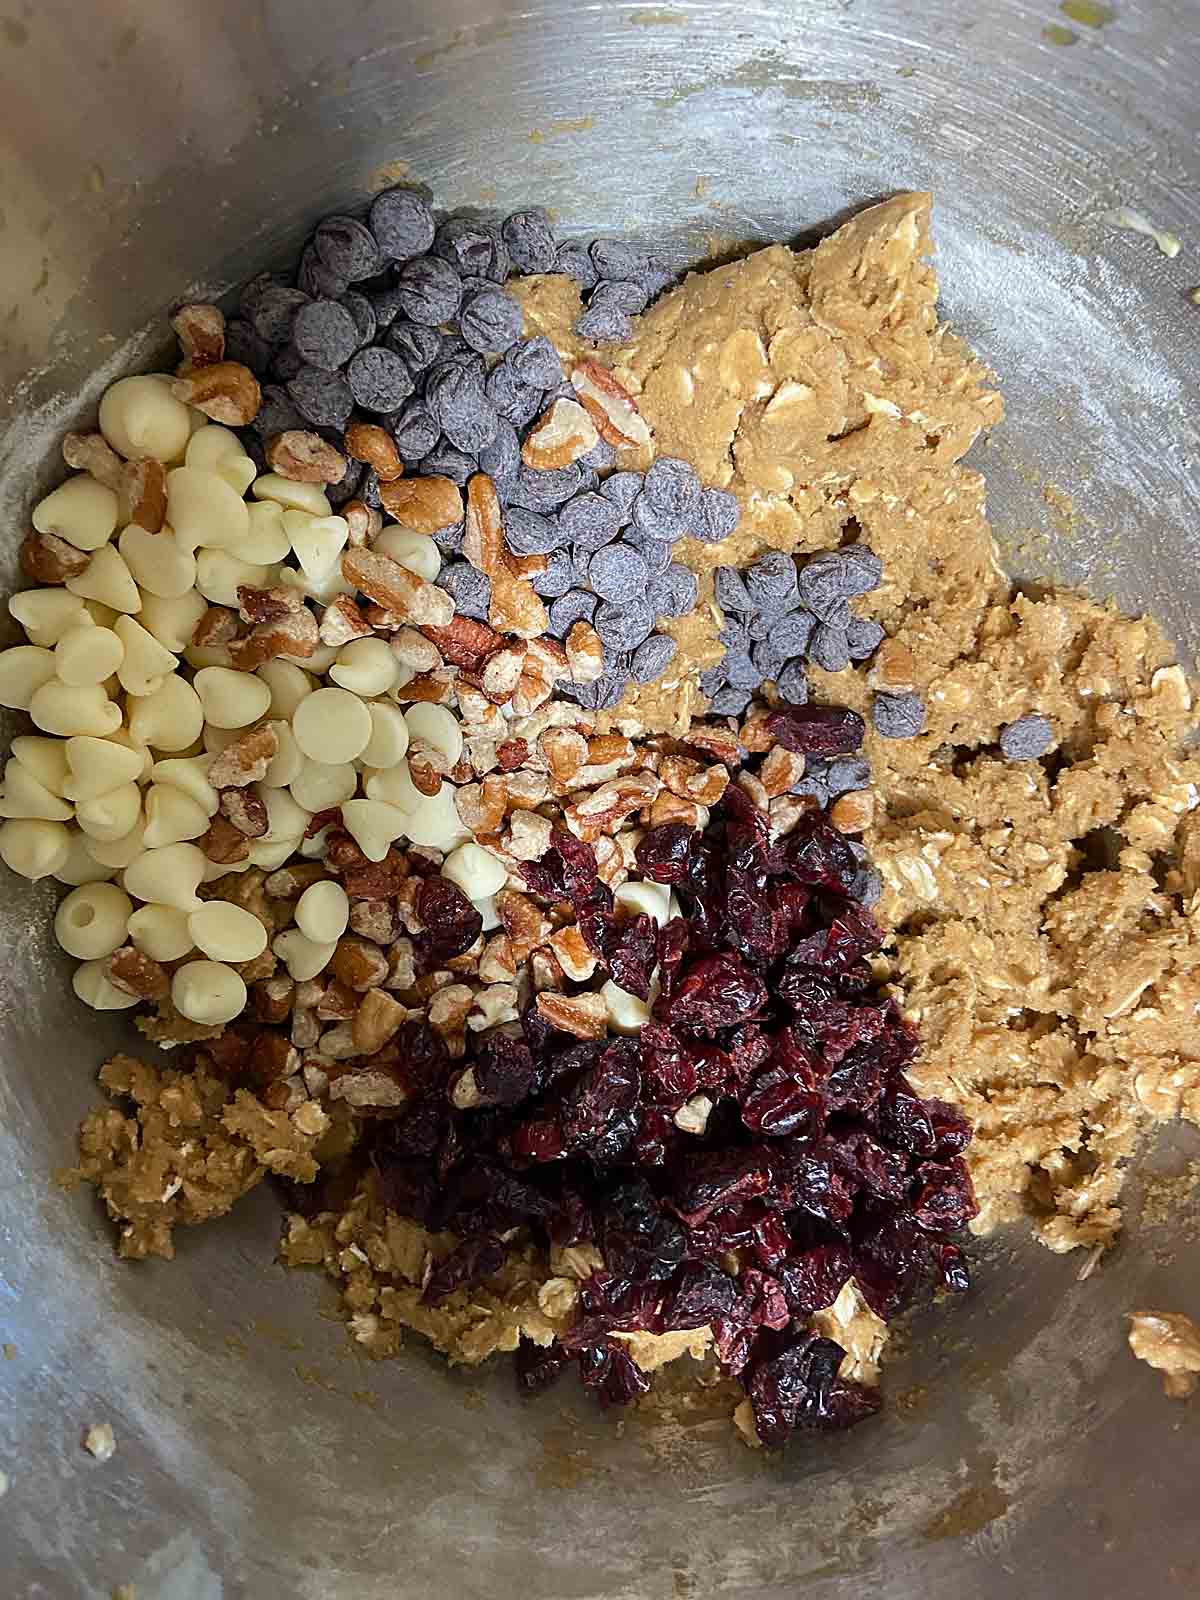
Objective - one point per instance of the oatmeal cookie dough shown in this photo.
(189, 1150)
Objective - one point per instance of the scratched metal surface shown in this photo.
(183, 146)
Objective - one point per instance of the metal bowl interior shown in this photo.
(258, 1455)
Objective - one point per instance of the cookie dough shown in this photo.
(1041, 910)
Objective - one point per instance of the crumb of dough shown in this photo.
(100, 1441)
(190, 1149)
(1170, 1342)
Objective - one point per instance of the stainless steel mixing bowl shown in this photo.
(154, 148)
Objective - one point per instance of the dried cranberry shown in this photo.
(817, 730)
(539, 1140)
(631, 951)
(537, 1366)
(664, 854)
(946, 1198)
(778, 1107)
(637, 1236)
(612, 1372)
(468, 1264)
(818, 856)
(952, 1265)
(700, 1294)
(764, 1304)
(716, 992)
(717, 1178)
(579, 872)
(889, 1258)
(505, 1071)
(452, 924)
(814, 1278)
(792, 1380)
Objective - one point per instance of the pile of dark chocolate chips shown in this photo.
(403, 321)
(818, 1161)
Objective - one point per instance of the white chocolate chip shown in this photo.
(322, 912)
(226, 932)
(332, 725)
(208, 992)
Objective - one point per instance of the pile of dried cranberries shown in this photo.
(816, 1162)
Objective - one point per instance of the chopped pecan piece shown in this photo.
(415, 651)
(293, 635)
(359, 964)
(526, 926)
(377, 1020)
(305, 457)
(691, 781)
(564, 751)
(396, 588)
(560, 436)
(481, 806)
(501, 672)
(246, 810)
(853, 812)
(611, 407)
(497, 964)
(575, 956)
(668, 807)
(288, 883)
(375, 880)
(430, 688)
(448, 1012)
(226, 391)
(585, 653)
(246, 760)
(426, 505)
(606, 808)
(464, 642)
(512, 754)
(342, 621)
(716, 741)
(779, 772)
(134, 973)
(364, 522)
(368, 442)
(583, 1015)
(216, 627)
(143, 494)
(272, 1058)
(91, 452)
(528, 836)
(48, 559)
(338, 1003)
(223, 843)
(374, 920)
(200, 330)
(272, 999)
